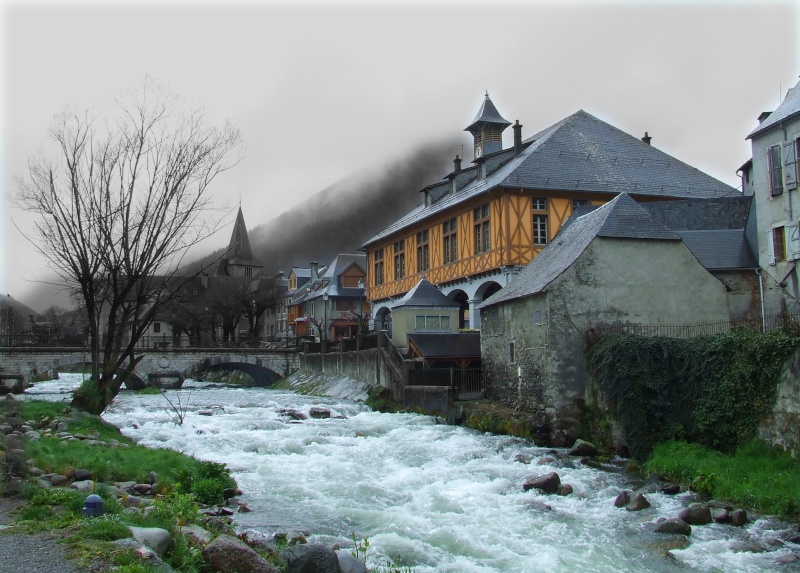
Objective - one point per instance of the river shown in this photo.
(434, 497)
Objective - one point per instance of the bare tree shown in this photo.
(117, 207)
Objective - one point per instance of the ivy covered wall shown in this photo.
(713, 390)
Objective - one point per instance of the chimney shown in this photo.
(457, 164)
(314, 272)
(646, 138)
(517, 138)
(764, 115)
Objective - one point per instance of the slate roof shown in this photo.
(332, 272)
(621, 218)
(423, 295)
(239, 252)
(720, 249)
(582, 154)
(447, 345)
(702, 214)
(789, 107)
(487, 113)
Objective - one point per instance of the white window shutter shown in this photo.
(789, 170)
(770, 248)
(793, 242)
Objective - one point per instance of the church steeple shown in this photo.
(487, 129)
(239, 261)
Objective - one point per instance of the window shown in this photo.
(379, 267)
(779, 244)
(539, 221)
(480, 217)
(423, 252)
(450, 241)
(512, 358)
(578, 203)
(342, 304)
(399, 259)
(422, 322)
(156, 327)
(775, 170)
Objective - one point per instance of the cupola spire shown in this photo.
(487, 129)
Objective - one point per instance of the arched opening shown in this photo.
(462, 299)
(259, 375)
(383, 320)
(486, 290)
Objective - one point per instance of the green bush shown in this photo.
(710, 390)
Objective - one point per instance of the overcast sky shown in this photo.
(321, 90)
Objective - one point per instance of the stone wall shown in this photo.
(782, 426)
(361, 366)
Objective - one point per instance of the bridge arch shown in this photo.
(262, 371)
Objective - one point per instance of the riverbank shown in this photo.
(429, 494)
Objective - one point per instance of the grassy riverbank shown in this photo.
(757, 475)
(182, 483)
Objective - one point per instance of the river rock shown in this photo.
(670, 489)
(696, 514)
(142, 488)
(349, 564)
(719, 514)
(623, 499)
(637, 503)
(196, 534)
(293, 414)
(583, 448)
(152, 478)
(227, 553)
(564, 489)
(523, 458)
(59, 480)
(34, 471)
(310, 558)
(319, 413)
(134, 501)
(737, 517)
(81, 474)
(32, 435)
(230, 492)
(674, 525)
(157, 539)
(547, 483)
(84, 485)
(153, 561)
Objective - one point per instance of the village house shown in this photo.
(615, 265)
(477, 228)
(771, 178)
(334, 303)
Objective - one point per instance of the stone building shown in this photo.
(616, 265)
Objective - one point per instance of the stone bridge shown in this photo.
(265, 366)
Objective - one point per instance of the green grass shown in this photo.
(757, 476)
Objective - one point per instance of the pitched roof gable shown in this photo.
(239, 251)
(424, 294)
(620, 218)
(790, 106)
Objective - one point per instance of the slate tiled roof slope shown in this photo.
(339, 265)
(239, 252)
(789, 107)
(720, 249)
(448, 345)
(582, 154)
(424, 294)
(620, 218)
(488, 113)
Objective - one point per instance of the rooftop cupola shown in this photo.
(487, 129)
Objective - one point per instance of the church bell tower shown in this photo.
(487, 129)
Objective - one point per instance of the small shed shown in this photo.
(424, 309)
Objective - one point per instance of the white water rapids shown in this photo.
(434, 497)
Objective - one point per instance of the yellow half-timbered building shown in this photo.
(480, 225)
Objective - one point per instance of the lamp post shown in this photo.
(360, 306)
(325, 324)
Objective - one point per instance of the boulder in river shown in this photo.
(547, 483)
(623, 499)
(696, 514)
(583, 448)
(637, 503)
(674, 525)
(310, 558)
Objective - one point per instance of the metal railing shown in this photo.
(465, 380)
(158, 342)
(767, 324)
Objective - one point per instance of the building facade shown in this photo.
(771, 177)
(478, 227)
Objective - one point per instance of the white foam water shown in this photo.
(434, 497)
